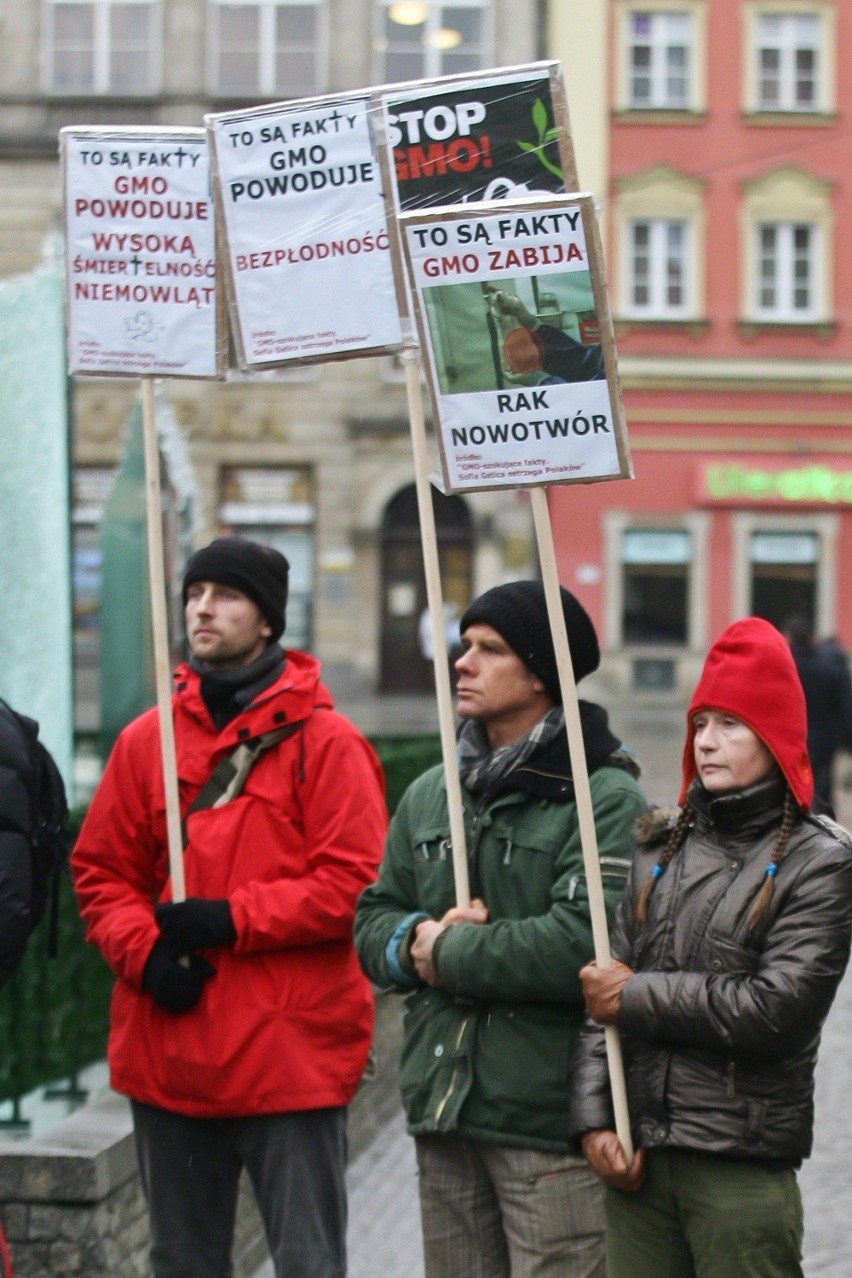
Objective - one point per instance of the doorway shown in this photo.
(784, 570)
(404, 667)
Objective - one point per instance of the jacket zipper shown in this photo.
(442, 1105)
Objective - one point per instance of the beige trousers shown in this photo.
(492, 1211)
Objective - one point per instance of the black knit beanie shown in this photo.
(518, 612)
(258, 571)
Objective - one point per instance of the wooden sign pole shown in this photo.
(159, 623)
(582, 791)
(435, 600)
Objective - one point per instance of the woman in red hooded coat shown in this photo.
(730, 943)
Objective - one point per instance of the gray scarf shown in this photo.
(480, 767)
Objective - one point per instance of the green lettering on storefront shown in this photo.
(811, 485)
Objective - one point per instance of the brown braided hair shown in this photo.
(675, 839)
(767, 887)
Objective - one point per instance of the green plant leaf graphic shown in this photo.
(546, 137)
(539, 116)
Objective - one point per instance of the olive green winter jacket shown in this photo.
(488, 1054)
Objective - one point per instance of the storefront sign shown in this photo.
(738, 484)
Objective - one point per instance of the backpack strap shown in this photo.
(229, 776)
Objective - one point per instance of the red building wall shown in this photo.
(762, 397)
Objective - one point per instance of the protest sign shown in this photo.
(501, 134)
(513, 315)
(140, 257)
(142, 301)
(299, 201)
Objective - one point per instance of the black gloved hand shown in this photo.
(174, 986)
(196, 924)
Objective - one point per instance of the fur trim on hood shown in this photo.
(654, 825)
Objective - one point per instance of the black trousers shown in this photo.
(190, 1169)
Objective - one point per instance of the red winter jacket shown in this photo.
(285, 1023)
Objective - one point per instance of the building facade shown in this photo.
(317, 460)
(721, 161)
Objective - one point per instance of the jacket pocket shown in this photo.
(523, 1070)
(434, 1065)
(432, 859)
(729, 958)
(614, 872)
(517, 868)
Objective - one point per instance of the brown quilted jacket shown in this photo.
(720, 1026)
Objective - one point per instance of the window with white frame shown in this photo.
(787, 248)
(793, 54)
(420, 40)
(659, 51)
(786, 257)
(788, 61)
(657, 260)
(102, 46)
(267, 47)
(660, 220)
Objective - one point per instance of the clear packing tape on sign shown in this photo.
(307, 194)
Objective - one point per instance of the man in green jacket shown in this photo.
(495, 1002)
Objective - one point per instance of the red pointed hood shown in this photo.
(750, 673)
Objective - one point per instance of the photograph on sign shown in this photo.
(142, 297)
(513, 317)
(299, 202)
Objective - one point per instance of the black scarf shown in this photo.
(227, 692)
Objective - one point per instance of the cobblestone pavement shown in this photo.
(384, 1225)
(384, 1230)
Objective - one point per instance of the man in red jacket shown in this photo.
(240, 1021)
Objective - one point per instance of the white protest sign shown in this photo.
(299, 196)
(513, 316)
(140, 253)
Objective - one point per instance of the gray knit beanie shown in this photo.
(518, 612)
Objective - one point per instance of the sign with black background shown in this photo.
(481, 140)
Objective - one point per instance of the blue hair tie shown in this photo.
(771, 870)
(657, 871)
